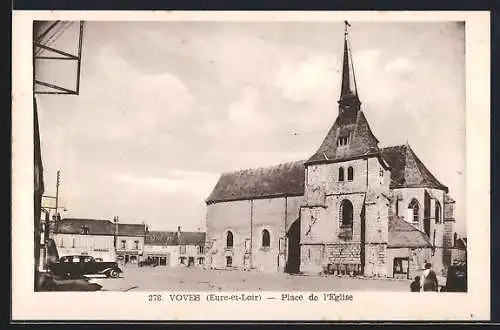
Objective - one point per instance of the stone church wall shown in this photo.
(405, 195)
(376, 236)
(268, 214)
(437, 228)
(222, 217)
(247, 220)
(375, 260)
(322, 245)
(321, 225)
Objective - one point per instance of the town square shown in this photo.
(196, 174)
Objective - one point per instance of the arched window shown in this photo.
(455, 238)
(346, 213)
(413, 210)
(266, 238)
(341, 174)
(229, 239)
(350, 174)
(437, 212)
(229, 261)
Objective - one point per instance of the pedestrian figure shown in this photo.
(415, 285)
(429, 280)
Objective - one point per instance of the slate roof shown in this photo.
(362, 141)
(161, 238)
(95, 227)
(404, 235)
(407, 170)
(284, 179)
(191, 238)
(98, 227)
(131, 229)
(170, 238)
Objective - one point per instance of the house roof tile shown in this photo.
(161, 238)
(98, 227)
(172, 238)
(75, 226)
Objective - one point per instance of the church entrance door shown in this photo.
(293, 257)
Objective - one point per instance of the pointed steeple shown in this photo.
(349, 100)
(350, 137)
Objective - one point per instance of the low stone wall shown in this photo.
(338, 258)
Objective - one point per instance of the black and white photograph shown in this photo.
(224, 156)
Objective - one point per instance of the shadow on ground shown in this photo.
(49, 282)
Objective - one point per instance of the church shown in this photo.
(352, 208)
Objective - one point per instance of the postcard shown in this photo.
(197, 165)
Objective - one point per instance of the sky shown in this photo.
(166, 107)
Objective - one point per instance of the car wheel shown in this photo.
(113, 273)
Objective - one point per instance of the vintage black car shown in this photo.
(78, 266)
(148, 262)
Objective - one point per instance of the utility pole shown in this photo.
(57, 192)
(51, 227)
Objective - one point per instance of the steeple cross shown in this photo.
(346, 31)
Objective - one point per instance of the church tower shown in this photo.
(344, 222)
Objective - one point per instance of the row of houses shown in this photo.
(128, 244)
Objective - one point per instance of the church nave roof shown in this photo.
(286, 179)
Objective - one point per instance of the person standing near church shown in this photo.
(429, 280)
(415, 285)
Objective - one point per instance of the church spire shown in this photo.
(349, 99)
